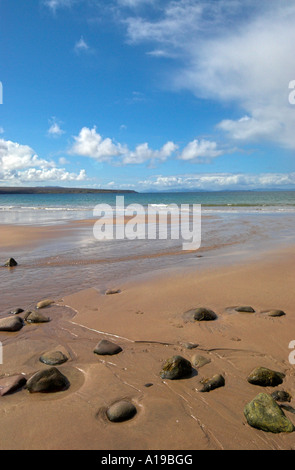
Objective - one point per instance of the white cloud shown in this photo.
(91, 144)
(19, 163)
(196, 151)
(54, 5)
(81, 45)
(55, 130)
(221, 181)
(1, 130)
(232, 51)
(143, 153)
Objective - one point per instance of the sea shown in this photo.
(235, 226)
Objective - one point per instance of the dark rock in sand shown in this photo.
(17, 311)
(211, 384)
(11, 324)
(45, 303)
(176, 367)
(11, 384)
(281, 396)
(265, 377)
(200, 314)
(275, 313)
(35, 317)
(53, 358)
(199, 361)
(10, 263)
(105, 347)
(113, 291)
(265, 414)
(47, 381)
(245, 309)
(148, 385)
(121, 411)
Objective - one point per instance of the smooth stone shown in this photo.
(105, 347)
(265, 377)
(35, 317)
(281, 396)
(189, 345)
(10, 263)
(176, 367)
(11, 384)
(17, 311)
(45, 303)
(53, 358)
(275, 313)
(121, 411)
(112, 291)
(216, 381)
(200, 314)
(148, 385)
(200, 361)
(47, 381)
(11, 324)
(265, 414)
(245, 309)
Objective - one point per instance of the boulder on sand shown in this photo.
(47, 381)
(11, 324)
(176, 367)
(265, 414)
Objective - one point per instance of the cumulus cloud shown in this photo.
(19, 163)
(237, 51)
(55, 129)
(221, 181)
(196, 151)
(89, 143)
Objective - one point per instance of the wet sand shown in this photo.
(146, 320)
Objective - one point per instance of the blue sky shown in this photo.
(148, 95)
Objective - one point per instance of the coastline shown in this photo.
(146, 320)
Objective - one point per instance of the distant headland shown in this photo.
(60, 190)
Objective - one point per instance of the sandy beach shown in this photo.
(146, 319)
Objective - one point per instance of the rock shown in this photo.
(11, 324)
(211, 384)
(113, 291)
(53, 358)
(35, 317)
(265, 414)
(200, 314)
(176, 367)
(105, 347)
(199, 361)
(121, 411)
(275, 313)
(245, 309)
(148, 385)
(265, 377)
(45, 303)
(189, 345)
(281, 396)
(11, 384)
(17, 311)
(47, 381)
(10, 263)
